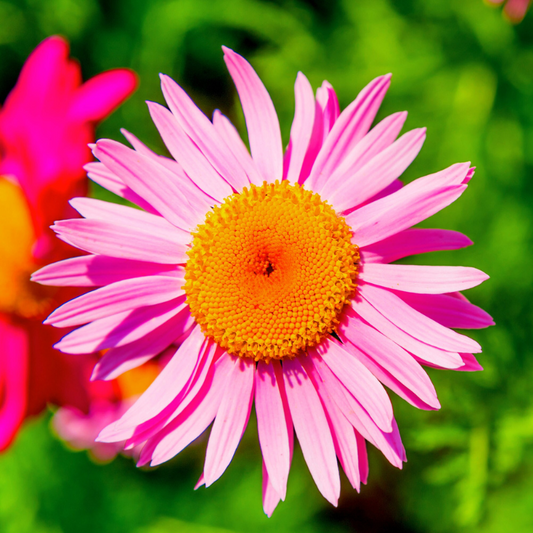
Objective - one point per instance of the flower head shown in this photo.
(272, 273)
(45, 125)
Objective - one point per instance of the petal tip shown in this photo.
(49, 321)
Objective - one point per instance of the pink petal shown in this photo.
(470, 174)
(270, 497)
(234, 143)
(166, 385)
(137, 145)
(99, 96)
(398, 211)
(131, 217)
(471, 364)
(116, 298)
(450, 311)
(200, 482)
(408, 206)
(362, 456)
(456, 174)
(193, 420)
(326, 114)
(317, 138)
(261, 118)
(204, 135)
(122, 241)
(352, 189)
(100, 174)
(422, 279)
(116, 361)
(167, 192)
(157, 427)
(211, 354)
(389, 356)
(231, 420)
(375, 141)
(426, 352)
(312, 429)
(272, 425)
(302, 126)
(341, 429)
(194, 390)
(351, 126)
(359, 381)
(14, 350)
(187, 154)
(411, 242)
(415, 323)
(345, 444)
(390, 381)
(387, 191)
(98, 270)
(119, 329)
(388, 442)
(329, 103)
(169, 164)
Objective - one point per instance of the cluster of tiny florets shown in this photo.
(270, 270)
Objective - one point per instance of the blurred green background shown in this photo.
(461, 70)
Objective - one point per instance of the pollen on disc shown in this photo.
(270, 271)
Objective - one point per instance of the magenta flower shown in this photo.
(45, 125)
(272, 273)
(514, 9)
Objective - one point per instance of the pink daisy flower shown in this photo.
(272, 274)
(45, 125)
(514, 9)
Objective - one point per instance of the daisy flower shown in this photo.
(45, 125)
(515, 10)
(272, 274)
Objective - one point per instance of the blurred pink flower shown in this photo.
(514, 9)
(45, 125)
(109, 401)
(274, 273)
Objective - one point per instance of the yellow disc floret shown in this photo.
(270, 271)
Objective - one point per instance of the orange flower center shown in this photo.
(270, 271)
(18, 295)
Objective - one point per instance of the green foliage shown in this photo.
(460, 70)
